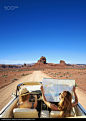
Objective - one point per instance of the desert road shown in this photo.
(6, 92)
(36, 76)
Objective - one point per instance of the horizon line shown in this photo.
(21, 62)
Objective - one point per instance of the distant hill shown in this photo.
(15, 65)
(42, 64)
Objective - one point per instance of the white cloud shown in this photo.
(15, 62)
(68, 62)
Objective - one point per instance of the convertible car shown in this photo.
(11, 110)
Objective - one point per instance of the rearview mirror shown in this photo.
(14, 94)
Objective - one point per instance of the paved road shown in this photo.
(5, 93)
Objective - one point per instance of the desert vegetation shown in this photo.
(8, 76)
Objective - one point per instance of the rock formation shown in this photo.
(62, 62)
(9, 66)
(24, 64)
(41, 63)
(42, 60)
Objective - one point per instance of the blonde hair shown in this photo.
(65, 104)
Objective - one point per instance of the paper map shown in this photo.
(52, 88)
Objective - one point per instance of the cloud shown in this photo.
(69, 62)
(15, 62)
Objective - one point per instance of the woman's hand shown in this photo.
(76, 98)
(35, 103)
(35, 96)
(74, 88)
(41, 88)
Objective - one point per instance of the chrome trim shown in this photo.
(81, 107)
(4, 109)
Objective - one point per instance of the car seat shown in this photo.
(25, 113)
(44, 114)
(55, 114)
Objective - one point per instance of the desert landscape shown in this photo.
(11, 75)
(78, 74)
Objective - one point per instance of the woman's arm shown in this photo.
(76, 98)
(35, 104)
(52, 106)
(20, 98)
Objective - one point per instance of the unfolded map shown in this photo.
(52, 88)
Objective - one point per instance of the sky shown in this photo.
(30, 29)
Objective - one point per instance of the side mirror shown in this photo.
(14, 94)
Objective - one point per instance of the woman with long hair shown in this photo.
(65, 105)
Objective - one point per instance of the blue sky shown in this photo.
(30, 29)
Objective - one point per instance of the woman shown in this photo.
(65, 105)
(24, 99)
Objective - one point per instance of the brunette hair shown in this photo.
(65, 104)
